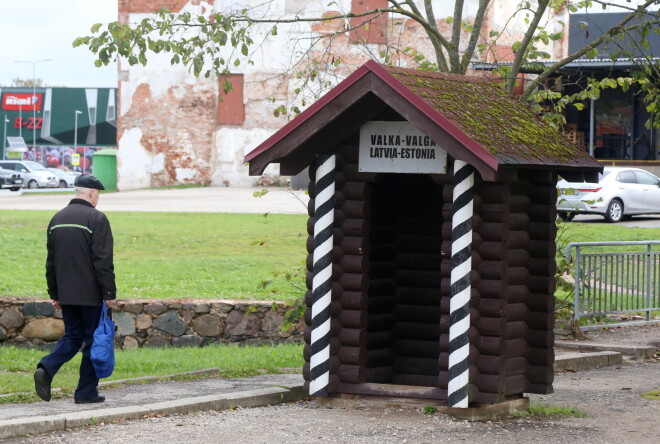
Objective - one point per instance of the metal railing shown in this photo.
(616, 282)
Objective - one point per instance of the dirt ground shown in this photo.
(639, 335)
(611, 398)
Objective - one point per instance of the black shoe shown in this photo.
(42, 384)
(90, 400)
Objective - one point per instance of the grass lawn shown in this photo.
(199, 255)
(603, 232)
(166, 255)
(17, 365)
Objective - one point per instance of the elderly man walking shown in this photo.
(80, 276)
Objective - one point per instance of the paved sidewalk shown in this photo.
(138, 400)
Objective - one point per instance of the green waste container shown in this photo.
(104, 167)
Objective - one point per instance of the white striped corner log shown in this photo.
(322, 269)
(461, 265)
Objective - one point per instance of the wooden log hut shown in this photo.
(431, 237)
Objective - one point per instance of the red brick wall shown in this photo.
(179, 128)
(231, 108)
(377, 27)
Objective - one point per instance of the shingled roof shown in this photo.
(471, 117)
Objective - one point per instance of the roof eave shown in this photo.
(307, 113)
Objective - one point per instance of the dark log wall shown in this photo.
(489, 289)
(391, 273)
(541, 189)
(405, 256)
(513, 273)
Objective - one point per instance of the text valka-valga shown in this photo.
(386, 146)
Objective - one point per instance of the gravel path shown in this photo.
(611, 398)
(616, 413)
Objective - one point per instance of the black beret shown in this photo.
(88, 181)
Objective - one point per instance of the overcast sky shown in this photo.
(41, 29)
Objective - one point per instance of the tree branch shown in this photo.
(437, 43)
(474, 37)
(629, 8)
(454, 59)
(617, 29)
(529, 35)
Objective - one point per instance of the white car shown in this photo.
(34, 174)
(620, 192)
(66, 178)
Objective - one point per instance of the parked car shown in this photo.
(10, 179)
(620, 192)
(65, 178)
(34, 174)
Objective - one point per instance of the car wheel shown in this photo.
(33, 184)
(614, 211)
(566, 216)
(62, 183)
(15, 189)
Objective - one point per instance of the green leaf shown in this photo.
(273, 31)
(96, 27)
(244, 49)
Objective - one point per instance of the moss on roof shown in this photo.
(492, 118)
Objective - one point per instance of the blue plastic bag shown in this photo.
(103, 346)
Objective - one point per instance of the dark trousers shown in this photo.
(79, 324)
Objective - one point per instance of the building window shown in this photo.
(374, 26)
(231, 109)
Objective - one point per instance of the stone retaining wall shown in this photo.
(156, 323)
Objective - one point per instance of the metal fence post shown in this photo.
(576, 302)
(648, 282)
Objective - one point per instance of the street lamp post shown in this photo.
(75, 135)
(34, 94)
(4, 139)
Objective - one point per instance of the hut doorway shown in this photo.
(405, 280)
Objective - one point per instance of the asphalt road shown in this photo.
(215, 200)
(205, 200)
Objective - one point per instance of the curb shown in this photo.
(636, 351)
(249, 398)
(586, 361)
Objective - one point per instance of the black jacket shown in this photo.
(79, 267)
